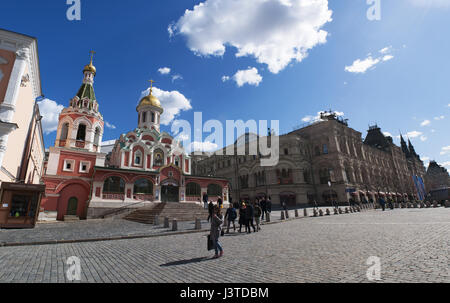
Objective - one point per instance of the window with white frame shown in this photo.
(84, 167)
(69, 165)
(138, 158)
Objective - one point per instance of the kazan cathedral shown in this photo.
(146, 166)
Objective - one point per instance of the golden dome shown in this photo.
(90, 68)
(150, 100)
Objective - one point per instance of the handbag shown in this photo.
(210, 244)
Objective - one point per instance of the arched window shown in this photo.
(143, 186)
(325, 149)
(193, 190)
(81, 133)
(153, 117)
(215, 190)
(144, 117)
(177, 161)
(114, 185)
(138, 158)
(97, 136)
(64, 131)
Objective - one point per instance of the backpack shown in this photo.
(232, 215)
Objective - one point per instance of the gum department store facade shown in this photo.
(145, 166)
(325, 151)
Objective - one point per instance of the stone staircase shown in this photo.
(179, 211)
(71, 218)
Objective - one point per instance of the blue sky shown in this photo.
(406, 85)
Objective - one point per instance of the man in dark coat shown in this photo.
(219, 202)
(205, 200)
(249, 214)
(210, 209)
(382, 203)
(269, 205)
(263, 207)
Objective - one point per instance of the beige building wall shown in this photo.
(16, 140)
(21, 141)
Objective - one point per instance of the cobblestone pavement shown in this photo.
(99, 229)
(413, 245)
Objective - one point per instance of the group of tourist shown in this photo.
(249, 215)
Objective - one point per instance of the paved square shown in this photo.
(413, 245)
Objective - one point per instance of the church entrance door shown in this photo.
(170, 193)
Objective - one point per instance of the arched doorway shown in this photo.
(170, 193)
(72, 207)
(72, 201)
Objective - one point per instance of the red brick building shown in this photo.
(146, 165)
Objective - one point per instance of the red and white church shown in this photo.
(146, 165)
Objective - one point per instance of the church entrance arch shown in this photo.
(170, 191)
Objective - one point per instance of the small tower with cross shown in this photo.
(149, 111)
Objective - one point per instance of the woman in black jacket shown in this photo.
(242, 219)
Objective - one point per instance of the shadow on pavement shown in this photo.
(182, 262)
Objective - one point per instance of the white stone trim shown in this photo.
(67, 161)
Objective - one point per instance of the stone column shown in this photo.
(182, 194)
(157, 193)
(8, 106)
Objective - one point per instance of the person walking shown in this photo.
(210, 210)
(249, 215)
(382, 203)
(268, 206)
(205, 201)
(258, 212)
(262, 204)
(242, 220)
(216, 227)
(231, 216)
(219, 202)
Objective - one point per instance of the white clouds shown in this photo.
(203, 146)
(360, 66)
(109, 125)
(173, 103)
(446, 164)
(423, 138)
(425, 123)
(445, 150)
(413, 134)
(177, 77)
(275, 32)
(310, 119)
(387, 134)
(167, 71)
(249, 76)
(50, 111)
(164, 70)
(431, 3)
(439, 118)
(386, 50)
(225, 78)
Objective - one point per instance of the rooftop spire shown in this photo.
(90, 67)
(151, 87)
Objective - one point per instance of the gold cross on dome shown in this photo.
(92, 55)
(151, 83)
